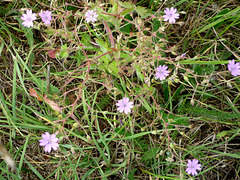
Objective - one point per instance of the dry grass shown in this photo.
(96, 142)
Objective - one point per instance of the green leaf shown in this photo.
(104, 48)
(71, 8)
(126, 12)
(103, 45)
(86, 39)
(146, 105)
(138, 71)
(122, 132)
(142, 11)
(79, 57)
(29, 35)
(64, 51)
(126, 27)
(178, 120)
(127, 5)
(131, 175)
(226, 133)
(222, 134)
(223, 18)
(237, 156)
(113, 68)
(150, 154)
(43, 87)
(2, 44)
(114, 8)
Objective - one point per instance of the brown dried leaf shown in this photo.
(52, 104)
(34, 94)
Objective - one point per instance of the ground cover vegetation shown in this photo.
(119, 89)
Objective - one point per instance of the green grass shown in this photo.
(192, 114)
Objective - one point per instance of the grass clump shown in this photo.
(120, 90)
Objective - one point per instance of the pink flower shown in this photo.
(28, 18)
(46, 17)
(49, 141)
(171, 15)
(124, 105)
(192, 166)
(234, 68)
(91, 16)
(162, 72)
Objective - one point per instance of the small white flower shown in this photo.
(28, 18)
(171, 15)
(91, 15)
(124, 105)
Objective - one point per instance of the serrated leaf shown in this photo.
(142, 11)
(53, 89)
(127, 5)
